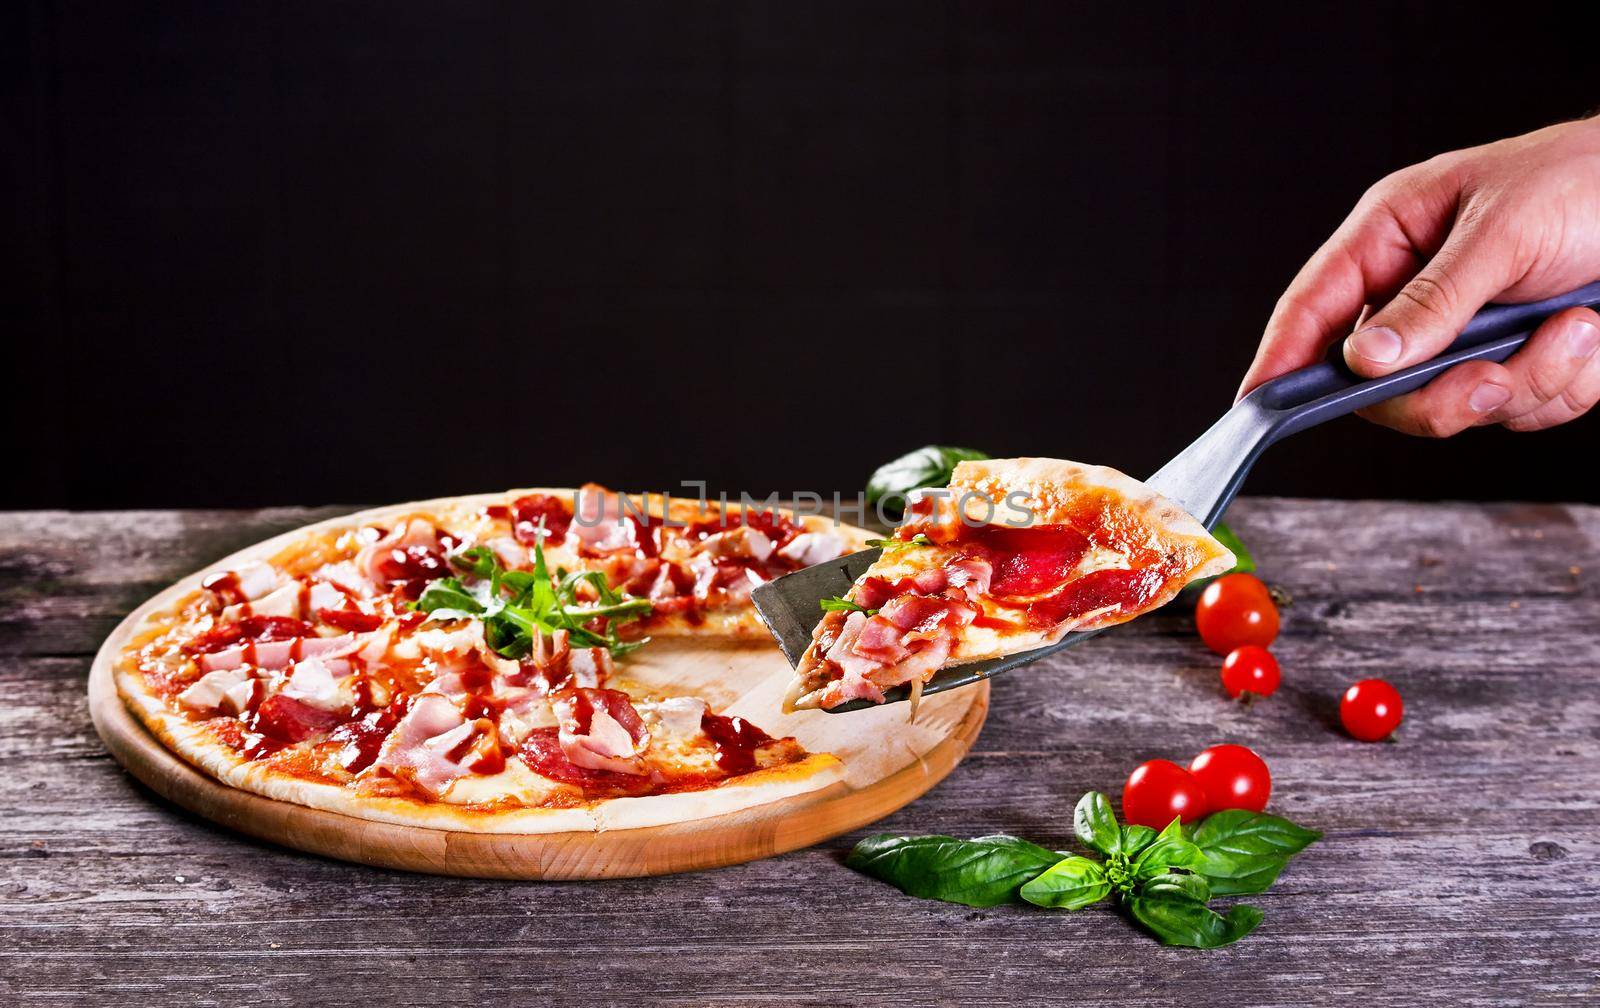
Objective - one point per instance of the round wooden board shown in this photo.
(888, 762)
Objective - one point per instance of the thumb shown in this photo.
(1433, 308)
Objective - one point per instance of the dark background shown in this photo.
(306, 253)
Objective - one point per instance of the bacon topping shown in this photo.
(246, 583)
(911, 634)
(434, 745)
(527, 514)
(408, 557)
(600, 730)
(604, 522)
(209, 690)
(363, 738)
(277, 654)
(251, 628)
(543, 753)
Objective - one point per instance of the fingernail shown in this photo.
(1487, 397)
(1380, 345)
(1582, 340)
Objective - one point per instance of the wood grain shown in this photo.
(1459, 866)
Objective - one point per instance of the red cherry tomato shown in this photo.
(1371, 710)
(1236, 610)
(1233, 777)
(1157, 791)
(1250, 669)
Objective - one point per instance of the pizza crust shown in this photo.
(1050, 486)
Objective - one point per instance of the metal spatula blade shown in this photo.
(1202, 479)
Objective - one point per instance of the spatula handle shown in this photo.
(1323, 391)
(1204, 476)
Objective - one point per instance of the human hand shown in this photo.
(1515, 220)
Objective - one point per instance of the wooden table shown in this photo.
(1459, 865)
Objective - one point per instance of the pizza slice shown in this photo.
(1012, 556)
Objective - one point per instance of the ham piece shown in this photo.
(600, 730)
(435, 744)
(910, 632)
(280, 654)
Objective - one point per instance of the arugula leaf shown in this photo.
(894, 544)
(517, 606)
(1243, 852)
(926, 467)
(1169, 850)
(838, 604)
(479, 561)
(1070, 884)
(448, 593)
(1173, 914)
(1095, 823)
(982, 872)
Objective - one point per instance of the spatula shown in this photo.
(1202, 479)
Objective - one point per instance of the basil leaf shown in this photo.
(982, 872)
(928, 466)
(1095, 823)
(1193, 885)
(1243, 832)
(1243, 852)
(1230, 876)
(1168, 850)
(1175, 917)
(1243, 562)
(1136, 839)
(1069, 884)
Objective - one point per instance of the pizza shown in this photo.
(478, 663)
(1012, 556)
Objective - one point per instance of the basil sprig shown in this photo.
(929, 466)
(1164, 881)
(516, 605)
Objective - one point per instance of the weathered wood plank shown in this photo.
(1459, 864)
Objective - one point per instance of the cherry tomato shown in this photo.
(1157, 791)
(1250, 669)
(1233, 777)
(1371, 710)
(1236, 610)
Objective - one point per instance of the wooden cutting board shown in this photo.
(888, 762)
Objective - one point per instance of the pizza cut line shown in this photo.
(1012, 556)
(468, 666)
